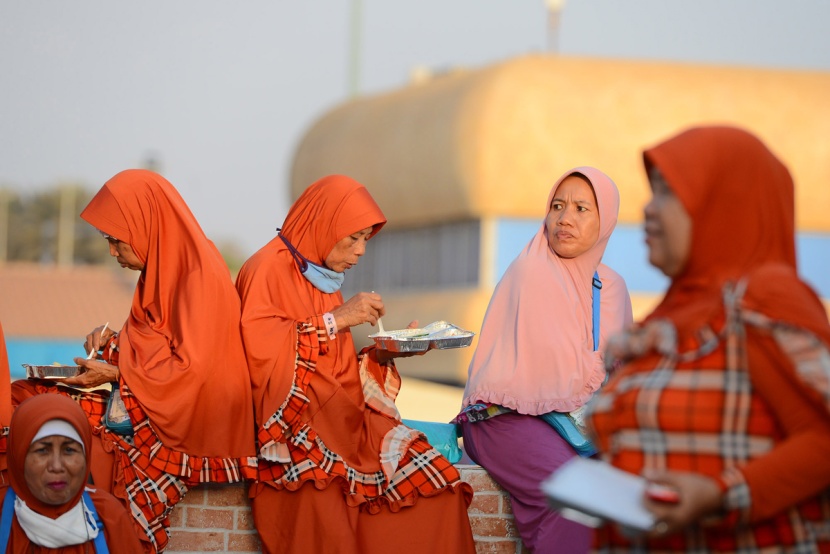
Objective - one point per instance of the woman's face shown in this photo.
(668, 227)
(348, 250)
(572, 223)
(124, 254)
(55, 469)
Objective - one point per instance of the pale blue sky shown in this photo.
(221, 92)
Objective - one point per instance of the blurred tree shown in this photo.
(233, 255)
(34, 228)
(33, 221)
(5, 200)
(90, 245)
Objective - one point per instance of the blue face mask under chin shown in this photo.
(323, 278)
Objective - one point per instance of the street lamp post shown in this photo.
(354, 48)
(554, 19)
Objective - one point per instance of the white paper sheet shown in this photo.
(590, 491)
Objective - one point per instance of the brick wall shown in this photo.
(218, 519)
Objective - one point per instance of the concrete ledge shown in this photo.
(217, 518)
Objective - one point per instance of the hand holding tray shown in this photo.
(51, 371)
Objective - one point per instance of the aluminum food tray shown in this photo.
(438, 335)
(393, 344)
(460, 341)
(51, 371)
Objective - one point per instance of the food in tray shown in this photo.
(51, 371)
(437, 335)
(408, 334)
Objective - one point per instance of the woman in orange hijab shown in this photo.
(725, 394)
(178, 361)
(5, 406)
(338, 472)
(48, 509)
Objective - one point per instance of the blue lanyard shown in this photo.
(597, 285)
(7, 516)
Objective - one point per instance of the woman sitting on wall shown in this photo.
(338, 471)
(536, 353)
(5, 407)
(177, 363)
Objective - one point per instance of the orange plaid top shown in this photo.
(746, 405)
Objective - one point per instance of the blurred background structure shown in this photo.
(462, 165)
(457, 116)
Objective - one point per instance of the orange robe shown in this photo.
(183, 373)
(180, 350)
(338, 471)
(5, 405)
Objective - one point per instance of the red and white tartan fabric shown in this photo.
(291, 452)
(700, 412)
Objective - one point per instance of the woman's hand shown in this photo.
(96, 340)
(95, 373)
(361, 308)
(698, 496)
(657, 335)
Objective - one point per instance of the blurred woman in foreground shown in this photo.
(725, 393)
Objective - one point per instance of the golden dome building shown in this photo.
(462, 164)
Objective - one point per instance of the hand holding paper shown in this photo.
(591, 492)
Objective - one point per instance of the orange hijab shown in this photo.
(27, 420)
(180, 349)
(5, 393)
(276, 296)
(741, 201)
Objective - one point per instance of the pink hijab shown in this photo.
(535, 353)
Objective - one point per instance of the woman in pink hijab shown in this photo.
(536, 353)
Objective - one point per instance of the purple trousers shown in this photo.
(519, 452)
